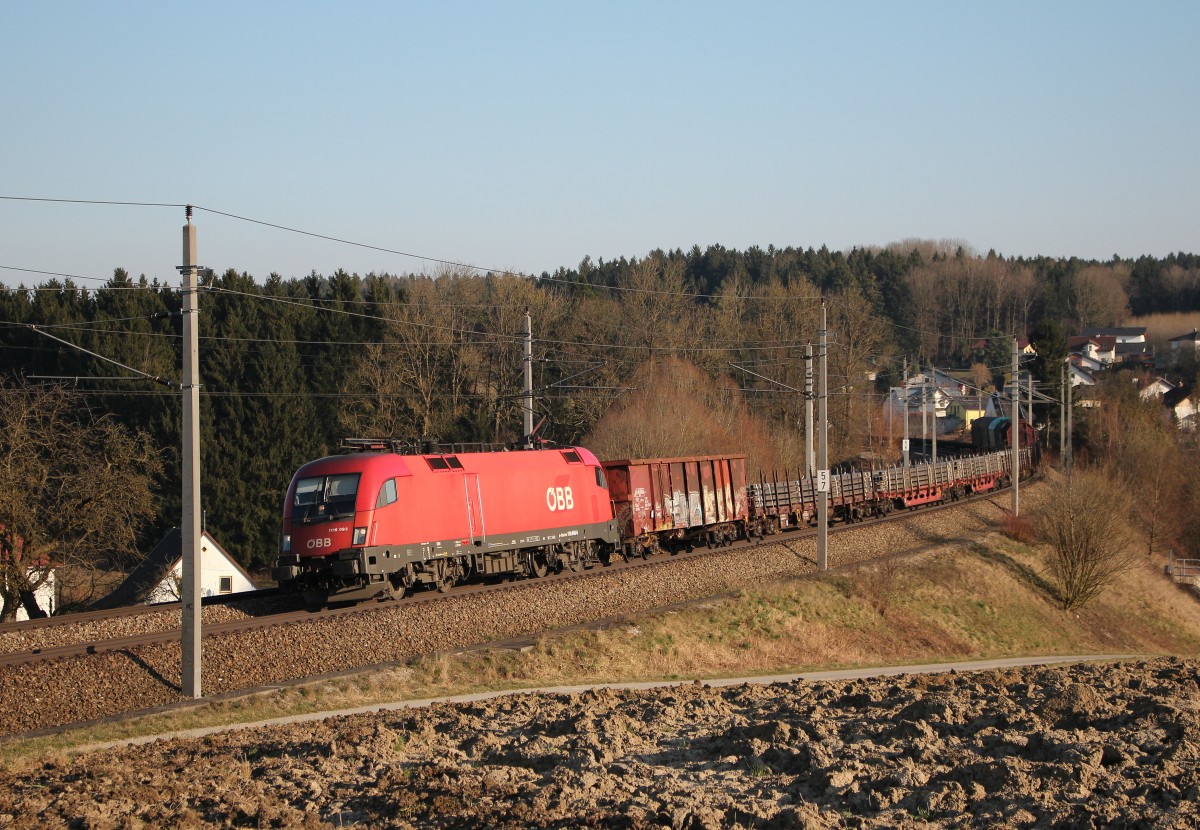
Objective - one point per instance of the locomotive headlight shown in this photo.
(285, 543)
(360, 536)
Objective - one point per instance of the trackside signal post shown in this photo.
(190, 522)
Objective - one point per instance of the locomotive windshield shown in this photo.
(325, 498)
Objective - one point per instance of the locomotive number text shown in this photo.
(559, 498)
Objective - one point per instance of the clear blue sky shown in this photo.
(528, 135)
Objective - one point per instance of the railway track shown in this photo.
(83, 617)
(119, 679)
(268, 608)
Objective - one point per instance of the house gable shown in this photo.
(1156, 389)
(1184, 341)
(157, 575)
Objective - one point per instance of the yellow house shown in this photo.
(967, 409)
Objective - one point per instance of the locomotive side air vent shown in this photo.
(572, 457)
(437, 463)
(453, 462)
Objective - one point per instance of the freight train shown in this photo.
(380, 520)
(987, 434)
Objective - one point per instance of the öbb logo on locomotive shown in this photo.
(559, 498)
(377, 522)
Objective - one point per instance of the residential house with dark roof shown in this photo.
(1113, 345)
(1094, 351)
(1183, 342)
(1182, 405)
(157, 577)
(1123, 335)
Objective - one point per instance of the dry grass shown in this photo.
(985, 600)
(1160, 328)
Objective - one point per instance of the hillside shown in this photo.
(975, 601)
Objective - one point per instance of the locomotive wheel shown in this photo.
(571, 558)
(396, 587)
(447, 574)
(538, 566)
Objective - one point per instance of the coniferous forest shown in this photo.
(677, 352)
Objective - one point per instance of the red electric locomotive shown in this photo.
(377, 522)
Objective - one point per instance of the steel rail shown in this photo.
(75, 618)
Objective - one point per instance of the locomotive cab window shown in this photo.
(600, 482)
(323, 498)
(387, 493)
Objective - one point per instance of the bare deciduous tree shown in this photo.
(1097, 297)
(1086, 526)
(678, 410)
(859, 338)
(655, 309)
(75, 490)
(412, 381)
(1156, 477)
(981, 376)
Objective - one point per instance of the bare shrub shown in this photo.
(1085, 524)
(1019, 529)
(878, 585)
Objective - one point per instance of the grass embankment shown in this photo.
(985, 600)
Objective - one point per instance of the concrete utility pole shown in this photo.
(190, 529)
(823, 456)
(925, 417)
(527, 420)
(1064, 375)
(1015, 431)
(904, 446)
(1070, 425)
(809, 458)
(933, 396)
